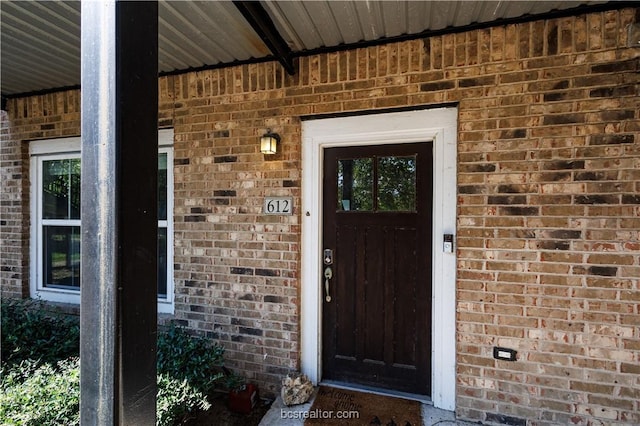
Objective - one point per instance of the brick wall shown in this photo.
(549, 221)
(13, 239)
(42, 117)
(548, 205)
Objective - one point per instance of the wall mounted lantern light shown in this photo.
(269, 142)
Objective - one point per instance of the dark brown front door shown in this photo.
(377, 222)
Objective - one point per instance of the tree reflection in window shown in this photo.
(394, 189)
(61, 189)
(60, 223)
(397, 183)
(355, 184)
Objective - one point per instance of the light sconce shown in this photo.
(269, 142)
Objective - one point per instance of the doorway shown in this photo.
(382, 139)
(376, 314)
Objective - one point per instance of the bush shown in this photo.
(188, 369)
(41, 395)
(177, 400)
(32, 331)
(39, 389)
(44, 395)
(183, 356)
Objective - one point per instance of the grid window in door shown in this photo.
(378, 183)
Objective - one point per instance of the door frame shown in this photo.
(438, 125)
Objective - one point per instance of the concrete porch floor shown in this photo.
(281, 415)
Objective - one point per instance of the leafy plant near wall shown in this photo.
(40, 372)
(48, 395)
(187, 357)
(41, 395)
(177, 399)
(189, 367)
(34, 331)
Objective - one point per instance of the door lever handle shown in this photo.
(328, 273)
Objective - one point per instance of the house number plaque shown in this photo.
(278, 205)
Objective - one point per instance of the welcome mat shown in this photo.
(334, 406)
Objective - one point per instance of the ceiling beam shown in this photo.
(261, 22)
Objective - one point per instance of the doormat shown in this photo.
(334, 406)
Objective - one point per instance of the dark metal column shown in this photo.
(118, 310)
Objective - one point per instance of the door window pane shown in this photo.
(61, 256)
(61, 189)
(355, 184)
(397, 183)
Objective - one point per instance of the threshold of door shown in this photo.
(424, 399)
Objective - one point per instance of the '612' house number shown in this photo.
(278, 205)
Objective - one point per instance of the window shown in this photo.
(380, 184)
(59, 217)
(165, 222)
(55, 236)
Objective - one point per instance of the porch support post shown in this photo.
(118, 311)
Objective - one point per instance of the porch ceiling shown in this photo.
(40, 40)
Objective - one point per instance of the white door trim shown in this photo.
(437, 125)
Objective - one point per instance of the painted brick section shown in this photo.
(548, 213)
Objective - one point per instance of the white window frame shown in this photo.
(165, 305)
(51, 149)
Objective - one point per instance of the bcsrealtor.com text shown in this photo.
(318, 414)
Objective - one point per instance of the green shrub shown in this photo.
(177, 400)
(38, 396)
(39, 389)
(41, 395)
(31, 330)
(183, 356)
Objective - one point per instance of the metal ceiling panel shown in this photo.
(295, 24)
(370, 19)
(40, 45)
(309, 25)
(347, 19)
(195, 34)
(40, 40)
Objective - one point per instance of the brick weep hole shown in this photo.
(548, 205)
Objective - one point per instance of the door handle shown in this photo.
(328, 273)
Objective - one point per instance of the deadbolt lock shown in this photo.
(327, 257)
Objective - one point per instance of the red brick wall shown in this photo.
(548, 205)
